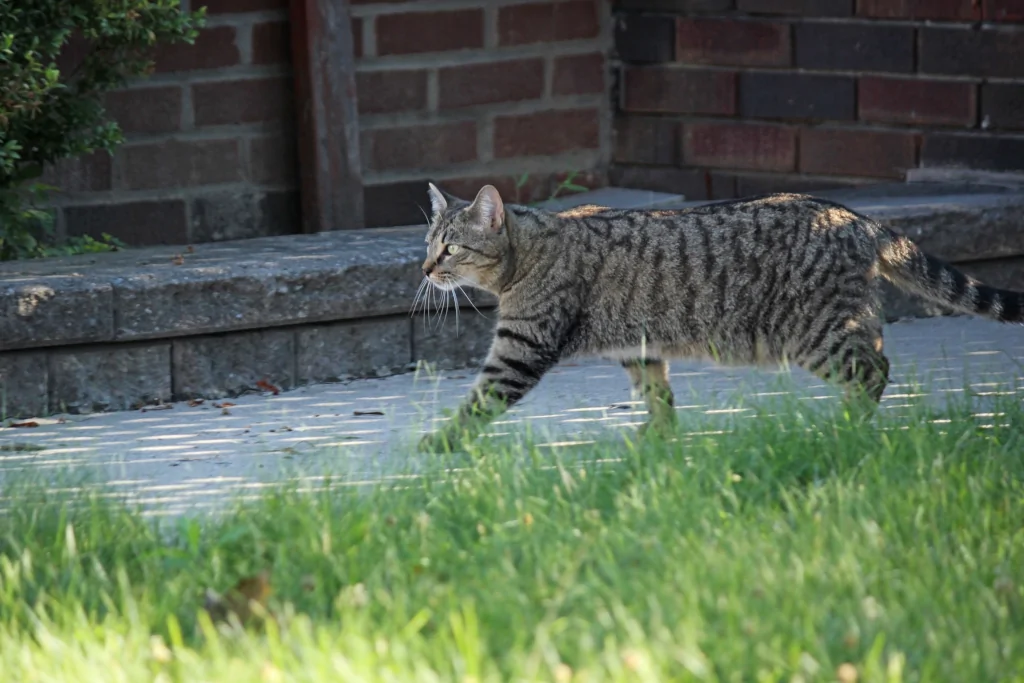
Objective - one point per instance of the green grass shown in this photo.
(780, 551)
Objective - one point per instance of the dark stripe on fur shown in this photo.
(505, 333)
(521, 367)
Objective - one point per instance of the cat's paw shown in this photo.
(660, 427)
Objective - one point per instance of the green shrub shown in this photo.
(48, 114)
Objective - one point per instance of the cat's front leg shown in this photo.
(514, 366)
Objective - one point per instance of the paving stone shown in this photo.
(39, 311)
(354, 349)
(113, 378)
(23, 384)
(195, 459)
(443, 347)
(230, 364)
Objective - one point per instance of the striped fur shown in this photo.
(777, 278)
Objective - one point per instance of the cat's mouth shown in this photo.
(444, 281)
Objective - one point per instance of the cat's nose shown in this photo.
(427, 268)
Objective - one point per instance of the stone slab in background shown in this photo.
(372, 348)
(308, 308)
(228, 365)
(614, 197)
(23, 384)
(166, 292)
(54, 309)
(86, 380)
(442, 346)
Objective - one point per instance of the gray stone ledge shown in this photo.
(166, 292)
(114, 331)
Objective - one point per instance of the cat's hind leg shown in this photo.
(852, 357)
(649, 377)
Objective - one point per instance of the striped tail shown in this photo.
(906, 266)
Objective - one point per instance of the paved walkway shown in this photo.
(188, 457)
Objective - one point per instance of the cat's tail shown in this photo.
(905, 265)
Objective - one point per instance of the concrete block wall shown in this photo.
(725, 98)
(461, 91)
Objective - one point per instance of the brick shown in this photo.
(578, 75)
(916, 101)
(475, 84)
(73, 52)
(213, 48)
(796, 96)
(769, 183)
(674, 6)
(544, 22)
(857, 153)
(135, 223)
(146, 110)
(371, 348)
(534, 187)
(419, 146)
(390, 204)
(378, 92)
(643, 39)
(243, 214)
(693, 183)
(271, 42)
(854, 47)
(591, 180)
(415, 32)
(988, 52)
(973, 151)
(685, 91)
(113, 378)
(546, 133)
(227, 365)
(89, 173)
(238, 6)
(728, 145)
(646, 140)
(257, 100)
(732, 43)
(951, 10)
(1002, 105)
(804, 8)
(273, 160)
(179, 164)
(357, 37)
(1003, 10)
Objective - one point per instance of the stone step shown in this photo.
(109, 330)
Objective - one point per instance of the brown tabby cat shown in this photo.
(775, 278)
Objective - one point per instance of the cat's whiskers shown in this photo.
(468, 299)
(418, 299)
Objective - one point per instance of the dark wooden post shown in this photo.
(330, 171)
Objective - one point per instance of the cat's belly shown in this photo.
(759, 353)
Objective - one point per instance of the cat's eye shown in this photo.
(453, 249)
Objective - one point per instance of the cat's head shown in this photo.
(467, 242)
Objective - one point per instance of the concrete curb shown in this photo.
(111, 331)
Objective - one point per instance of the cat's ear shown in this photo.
(489, 209)
(438, 203)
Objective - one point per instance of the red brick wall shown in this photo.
(460, 92)
(209, 152)
(478, 91)
(725, 98)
